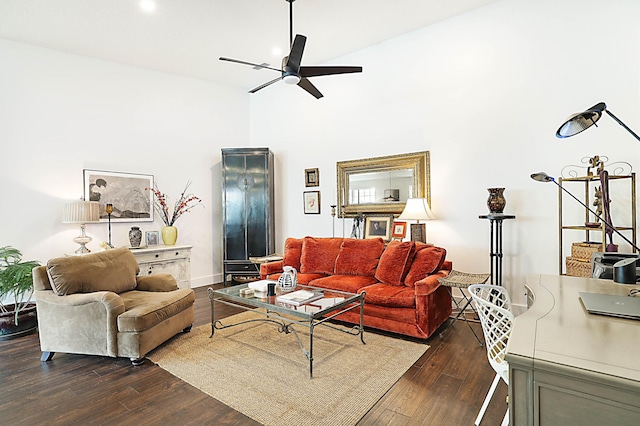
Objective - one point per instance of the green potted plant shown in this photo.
(16, 283)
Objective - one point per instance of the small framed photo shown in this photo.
(311, 177)
(378, 226)
(311, 202)
(399, 230)
(152, 237)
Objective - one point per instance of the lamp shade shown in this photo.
(581, 121)
(81, 212)
(417, 209)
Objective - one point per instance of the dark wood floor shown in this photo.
(444, 387)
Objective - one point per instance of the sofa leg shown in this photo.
(47, 356)
(187, 329)
(137, 361)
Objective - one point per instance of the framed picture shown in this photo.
(152, 237)
(311, 177)
(126, 192)
(311, 202)
(378, 226)
(399, 230)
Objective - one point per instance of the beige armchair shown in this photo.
(95, 304)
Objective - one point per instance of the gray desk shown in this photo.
(567, 367)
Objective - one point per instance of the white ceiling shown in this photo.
(186, 37)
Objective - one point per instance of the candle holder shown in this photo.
(109, 210)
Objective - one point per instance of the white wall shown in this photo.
(484, 93)
(62, 113)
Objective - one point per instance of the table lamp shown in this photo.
(581, 121)
(417, 209)
(81, 212)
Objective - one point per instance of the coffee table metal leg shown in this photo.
(213, 328)
(311, 327)
(362, 318)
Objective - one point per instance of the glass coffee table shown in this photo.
(286, 315)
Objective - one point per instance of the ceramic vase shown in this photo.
(496, 201)
(169, 235)
(135, 236)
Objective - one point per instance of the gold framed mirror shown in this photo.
(382, 184)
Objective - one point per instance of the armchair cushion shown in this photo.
(359, 257)
(144, 309)
(111, 270)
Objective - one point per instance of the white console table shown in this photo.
(174, 260)
(569, 367)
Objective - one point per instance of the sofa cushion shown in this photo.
(359, 257)
(390, 295)
(110, 270)
(292, 252)
(144, 309)
(426, 261)
(319, 255)
(348, 283)
(394, 262)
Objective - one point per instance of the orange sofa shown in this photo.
(400, 279)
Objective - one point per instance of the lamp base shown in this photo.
(83, 240)
(418, 232)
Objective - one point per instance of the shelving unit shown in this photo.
(589, 182)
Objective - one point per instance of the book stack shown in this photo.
(299, 297)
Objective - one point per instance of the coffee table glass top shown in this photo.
(330, 300)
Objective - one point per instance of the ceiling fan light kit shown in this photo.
(292, 72)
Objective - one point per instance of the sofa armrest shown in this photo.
(428, 285)
(157, 282)
(270, 268)
(61, 319)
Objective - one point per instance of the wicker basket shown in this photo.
(578, 267)
(583, 250)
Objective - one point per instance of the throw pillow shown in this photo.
(111, 270)
(359, 257)
(292, 252)
(426, 261)
(319, 255)
(394, 261)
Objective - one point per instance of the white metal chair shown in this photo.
(493, 305)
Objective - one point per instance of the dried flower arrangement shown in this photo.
(185, 203)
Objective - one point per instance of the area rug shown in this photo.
(263, 373)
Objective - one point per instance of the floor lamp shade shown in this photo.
(417, 209)
(81, 212)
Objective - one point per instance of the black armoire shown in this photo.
(247, 209)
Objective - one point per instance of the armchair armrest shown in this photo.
(61, 319)
(157, 282)
(270, 268)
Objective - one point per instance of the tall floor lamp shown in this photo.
(581, 121)
(417, 209)
(81, 212)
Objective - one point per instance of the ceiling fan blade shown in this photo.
(268, 83)
(327, 70)
(306, 85)
(248, 63)
(295, 56)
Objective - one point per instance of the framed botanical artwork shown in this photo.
(311, 177)
(152, 238)
(126, 192)
(311, 202)
(378, 226)
(399, 230)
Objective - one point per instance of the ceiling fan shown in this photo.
(292, 72)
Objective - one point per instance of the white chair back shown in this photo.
(493, 305)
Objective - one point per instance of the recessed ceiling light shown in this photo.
(277, 51)
(148, 5)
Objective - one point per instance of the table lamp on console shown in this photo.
(81, 212)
